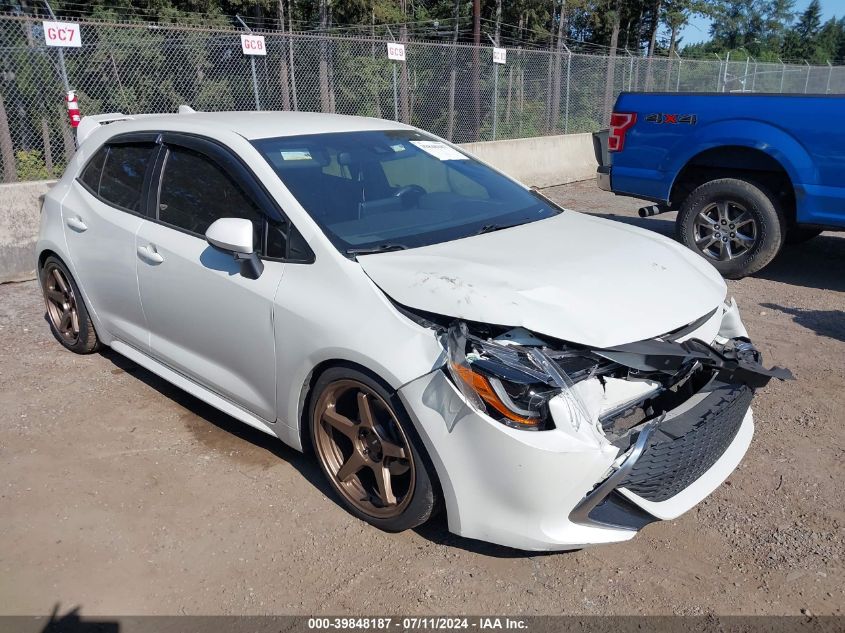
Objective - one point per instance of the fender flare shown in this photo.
(769, 139)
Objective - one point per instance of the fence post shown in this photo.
(61, 51)
(725, 78)
(754, 80)
(395, 96)
(252, 66)
(495, 99)
(719, 74)
(807, 81)
(680, 66)
(630, 70)
(745, 76)
(568, 75)
(829, 73)
(782, 73)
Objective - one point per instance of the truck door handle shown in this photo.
(77, 224)
(150, 254)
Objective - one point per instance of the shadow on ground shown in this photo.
(817, 263)
(72, 622)
(829, 323)
(435, 530)
(665, 224)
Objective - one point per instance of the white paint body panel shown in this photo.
(574, 277)
(207, 321)
(250, 347)
(104, 256)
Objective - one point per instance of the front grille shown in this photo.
(682, 449)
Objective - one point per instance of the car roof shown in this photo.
(250, 125)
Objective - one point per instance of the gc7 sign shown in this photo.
(62, 34)
(253, 45)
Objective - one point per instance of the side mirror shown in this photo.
(234, 235)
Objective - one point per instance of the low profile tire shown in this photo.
(735, 224)
(369, 451)
(799, 234)
(66, 311)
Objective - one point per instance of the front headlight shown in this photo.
(511, 383)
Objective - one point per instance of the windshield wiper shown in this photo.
(489, 228)
(381, 248)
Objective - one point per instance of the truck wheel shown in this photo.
(800, 234)
(735, 224)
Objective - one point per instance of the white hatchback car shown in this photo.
(436, 331)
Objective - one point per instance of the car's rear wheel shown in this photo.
(66, 311)
(735, 224)
(369, 451)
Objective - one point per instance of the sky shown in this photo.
(698, 29)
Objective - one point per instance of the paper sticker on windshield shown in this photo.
(398, 147)
(439, 150)
(296, 154)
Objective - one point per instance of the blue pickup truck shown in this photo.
(746, 172)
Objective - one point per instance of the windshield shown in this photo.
(383, 190)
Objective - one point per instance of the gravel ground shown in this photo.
(122, 495)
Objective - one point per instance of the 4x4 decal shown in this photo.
(689, 119)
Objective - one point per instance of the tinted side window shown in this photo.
(94, 169)
(123, 175)
(195, 192)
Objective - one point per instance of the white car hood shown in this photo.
(573, 277)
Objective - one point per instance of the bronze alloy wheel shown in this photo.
(61, 303)
(362, 446)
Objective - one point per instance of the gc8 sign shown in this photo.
(62, 34)
(253, 45)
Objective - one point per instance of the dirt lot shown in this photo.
(122, 495)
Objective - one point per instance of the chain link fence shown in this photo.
(455, 91)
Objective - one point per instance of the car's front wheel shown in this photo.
(369, 451)
(735, 224)
(69, 319)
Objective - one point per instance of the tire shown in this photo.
(344, 435)
(66, 312)
(735, 224)
(800, 234)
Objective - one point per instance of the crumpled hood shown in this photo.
(573, 277)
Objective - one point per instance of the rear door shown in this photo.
(102, 213)
(206, 320)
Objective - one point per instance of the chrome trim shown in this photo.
(580, 514)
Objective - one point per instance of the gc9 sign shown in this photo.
(62, 34)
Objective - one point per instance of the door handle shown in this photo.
(150, 254)
(77, 224)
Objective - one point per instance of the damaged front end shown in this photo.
(671, 405)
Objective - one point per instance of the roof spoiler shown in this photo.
(90, 123)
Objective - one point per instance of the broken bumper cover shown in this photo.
(674, 462)
(551, 490)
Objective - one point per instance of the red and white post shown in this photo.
(73, 108)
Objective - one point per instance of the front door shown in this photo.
(205, 319)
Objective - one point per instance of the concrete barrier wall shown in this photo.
(20, 212)
(539, 162)
(543, 161)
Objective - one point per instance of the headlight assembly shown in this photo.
(511, 383)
